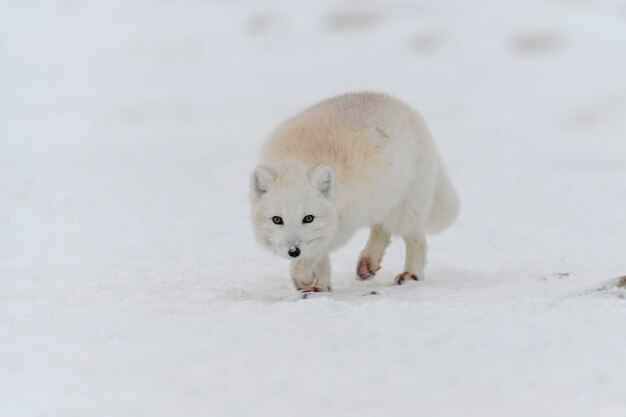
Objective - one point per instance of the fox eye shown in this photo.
(277, 220)
(308, 219)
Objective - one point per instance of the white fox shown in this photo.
(352, 161)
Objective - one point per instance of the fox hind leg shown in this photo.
(415, 261)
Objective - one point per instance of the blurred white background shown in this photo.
(130, 283)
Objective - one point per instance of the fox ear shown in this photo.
(261, 179)
(322, 178)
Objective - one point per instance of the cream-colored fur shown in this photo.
(357, 160)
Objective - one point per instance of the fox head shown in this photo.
(293, 210)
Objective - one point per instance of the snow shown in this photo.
(130, 283)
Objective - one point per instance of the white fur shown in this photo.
(358, 160)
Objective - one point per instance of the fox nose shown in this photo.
(294, 252)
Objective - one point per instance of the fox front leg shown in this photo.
(370, 257)
(311, 275)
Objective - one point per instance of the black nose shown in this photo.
(294, 252)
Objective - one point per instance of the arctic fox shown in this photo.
(353, 161)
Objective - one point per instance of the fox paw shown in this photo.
(311, 287)
(314, 289)
(405, 276)
(366, 269)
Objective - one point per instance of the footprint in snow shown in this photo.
(537, 42)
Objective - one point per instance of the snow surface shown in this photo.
(130, 283)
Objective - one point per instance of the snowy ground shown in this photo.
(130, 284)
